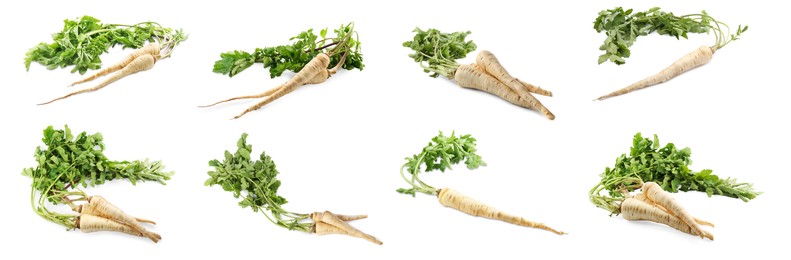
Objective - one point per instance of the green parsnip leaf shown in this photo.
(67, 161)
(439, 50)
(623, 27)
(82, 41)
(306, 45)
(255, 181)
(440, 154)
(668, 166)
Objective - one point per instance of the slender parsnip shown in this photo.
(442, 152)
(658, 171)
(82, 41)
(69, 161)
(255, 181)
(623, 27)
(314, 60)
(437, 52)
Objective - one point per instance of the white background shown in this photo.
(339, 145)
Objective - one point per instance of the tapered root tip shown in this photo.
(240, 115)
(547, 228)
(558, 232)
(209, 105)
(548, 114)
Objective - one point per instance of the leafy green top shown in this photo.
(295, 56)
(256, 182)
(439, 50)
(83, 40)
(622, 28)
(667, 166)
(440, 154)
(68, 161)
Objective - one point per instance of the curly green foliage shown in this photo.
(68, 161)
(439, 50)
(256, 183)
(440, 154)
(668, 166)
(622, 28)
(294, 57)
(82, 41)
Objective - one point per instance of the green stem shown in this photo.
(277, 212)
(344, 42)
(420, 185)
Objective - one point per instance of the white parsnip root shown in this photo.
(453, 199)
(89, 223)
(488, 75)
(98, 207)
(141, 63)
(661, 197)
(491, 65)
(326, 223)
(152, 48)
(690, 61)
(657, 205)
(634, 209)
(314, 72)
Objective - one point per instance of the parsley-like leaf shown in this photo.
(439, 50)
(440, 154)
(68, 161)
(82, 41)
(256, 183)
(668, 166)
(304, 47)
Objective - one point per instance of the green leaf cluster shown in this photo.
(623, 27)
(68, 161)
(82, 41)
(256, 183)
(304, 47)
(439, 50)
(668, 166)
(440, 154)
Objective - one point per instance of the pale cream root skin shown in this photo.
(152, 48)
(492, 65)
(472, 76)
(89, 223)
(316, 216)
(314, 72)
(453, 199)
(141, 63)
(87, 208)
(655, 193)
(316, 66)
(690, 61)
(318, 78)
(535, 89)
(326, 223)
(642, 197)
(634, 209)
(114, 213)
